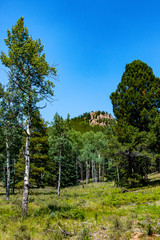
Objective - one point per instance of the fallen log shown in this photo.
(125, 190)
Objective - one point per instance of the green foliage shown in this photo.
(136, 106)
(22, 233)
(61, 146)
(40, 164)
(84, 235)
(2, 155)
(153, 142)
(27, 64)
(132, 158)
(73, 214)
(137, 95)
(39, 150)
(28, 70)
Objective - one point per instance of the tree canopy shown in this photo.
(136, 98)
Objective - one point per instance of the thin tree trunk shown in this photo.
(81, 170)
(99, 172)
(8, 170)
(27, 170)
(76, 167)
(59, 178)
(14, 174)
(103, 172)
(81, 173)
(92, 171)
(95, 173)
(118, 175)
(86, 172)
(99, 177)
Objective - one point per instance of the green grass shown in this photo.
(98, 211)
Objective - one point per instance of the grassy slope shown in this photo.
(99, 211)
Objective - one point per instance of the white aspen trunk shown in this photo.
(81, 171)
(59, 177)
(95, 173)
(94, 176)
(99, 173)
(27, 170)
(99, 177)
(86, 172)
(76, 167)
(92, 171)
(103, 172)
(8, 170)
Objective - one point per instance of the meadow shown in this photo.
(97, 211)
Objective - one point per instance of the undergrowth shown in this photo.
(97, 211)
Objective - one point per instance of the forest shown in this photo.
(69, 158)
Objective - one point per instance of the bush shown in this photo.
(84, 235)
(22, 233)
(74, 214)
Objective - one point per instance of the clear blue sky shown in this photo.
(90, 41)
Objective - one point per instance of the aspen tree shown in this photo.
(28, 70)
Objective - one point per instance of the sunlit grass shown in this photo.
(98, 211)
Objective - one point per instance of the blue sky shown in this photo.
(90, 42)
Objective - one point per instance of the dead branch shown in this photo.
(65, 232)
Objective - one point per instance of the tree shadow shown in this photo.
(2, 194)
(52, 208)
(154, 183)
(42, 193)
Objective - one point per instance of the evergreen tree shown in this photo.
(38, 154)
(61, 152)
(27, 72)
(133, 159)
(135, 104)
(39, 150)
(136, 98)
(153, 142)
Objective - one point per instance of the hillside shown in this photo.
(97, 211)
(95, 121)
(100, 118)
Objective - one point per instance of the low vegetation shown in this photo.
(97, 211)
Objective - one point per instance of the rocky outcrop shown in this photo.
(101, 119)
